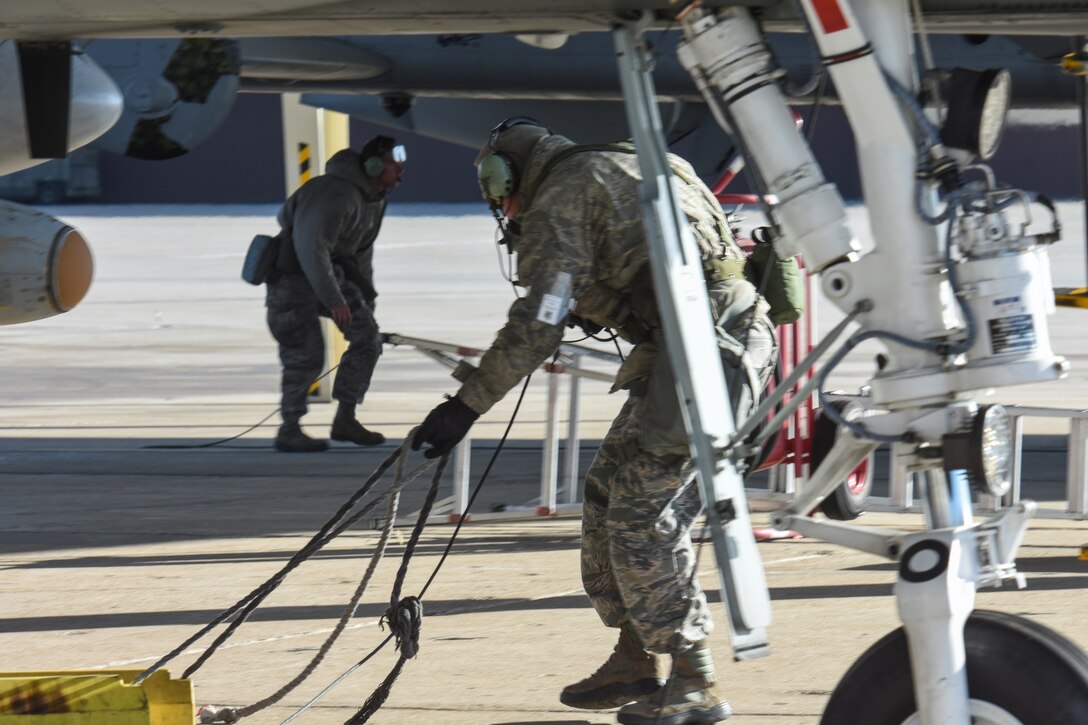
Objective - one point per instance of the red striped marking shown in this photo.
(830, 15)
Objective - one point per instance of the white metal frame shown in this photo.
(564, 486)
(554, 499)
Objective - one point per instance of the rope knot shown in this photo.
(404, 619)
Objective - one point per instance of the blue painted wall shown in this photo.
(243, 162)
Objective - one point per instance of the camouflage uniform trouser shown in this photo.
(637, 557)
(293, 312)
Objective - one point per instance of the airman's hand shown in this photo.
(341, 316)
(444, 427)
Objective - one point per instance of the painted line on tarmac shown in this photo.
(361, 625)
(327, 630)
(797, 558)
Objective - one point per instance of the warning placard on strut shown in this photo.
(1012, 334)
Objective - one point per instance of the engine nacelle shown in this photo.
(95, 106)
(177, 92)
(45, 265)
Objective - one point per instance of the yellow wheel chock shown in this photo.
(94, 697)
(1071, 296)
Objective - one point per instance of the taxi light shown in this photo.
(978, 105)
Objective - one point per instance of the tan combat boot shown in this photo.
(628, 674)
(346, 428)
(689, 699)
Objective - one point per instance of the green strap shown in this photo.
(628, 147)
(625, 147)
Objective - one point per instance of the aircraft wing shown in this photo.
(498, 66)
(160, 95)
(61, 19)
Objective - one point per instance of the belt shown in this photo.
(719, 269)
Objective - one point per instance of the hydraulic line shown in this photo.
(817, 80)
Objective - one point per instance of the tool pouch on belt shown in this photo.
(286, 260)
(260, 258)
(779, 281)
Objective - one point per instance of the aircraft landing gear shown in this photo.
(955, 667)
(1018, 673)
(846, 502)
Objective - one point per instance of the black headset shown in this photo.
(497, 173)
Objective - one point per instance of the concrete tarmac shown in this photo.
(117, 543)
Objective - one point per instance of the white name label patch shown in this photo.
(555, 303)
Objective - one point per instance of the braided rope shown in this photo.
(412, 605)
(278, 578)
(378, 697)
(400, 480)
(332, 528)
(404, 616)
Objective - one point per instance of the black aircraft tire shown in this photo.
(847, 501)
(1034, 674)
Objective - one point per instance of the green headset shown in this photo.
(497, 173)
(374, 154)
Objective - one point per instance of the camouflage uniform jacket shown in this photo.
(333, 220)
(581, 246)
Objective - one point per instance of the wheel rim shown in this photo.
(857, 481)
(982, 713)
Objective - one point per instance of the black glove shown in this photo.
(444, 427)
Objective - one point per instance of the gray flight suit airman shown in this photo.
(331, 223)
(582, 250)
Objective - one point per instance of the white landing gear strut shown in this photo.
(956, 312)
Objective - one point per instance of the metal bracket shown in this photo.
(998, 540)
(689, 337)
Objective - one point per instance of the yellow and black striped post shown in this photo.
(311, 136)
(304, 171)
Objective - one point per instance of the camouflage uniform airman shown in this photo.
(582, 249)
(327, 245)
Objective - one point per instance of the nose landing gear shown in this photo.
(1018, 673)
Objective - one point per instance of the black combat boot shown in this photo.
(291, 439)
(346, 428)
(689, 699)
(626, 675)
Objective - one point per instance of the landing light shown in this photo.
(985, 451)
(978, 105)
(991, 438)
